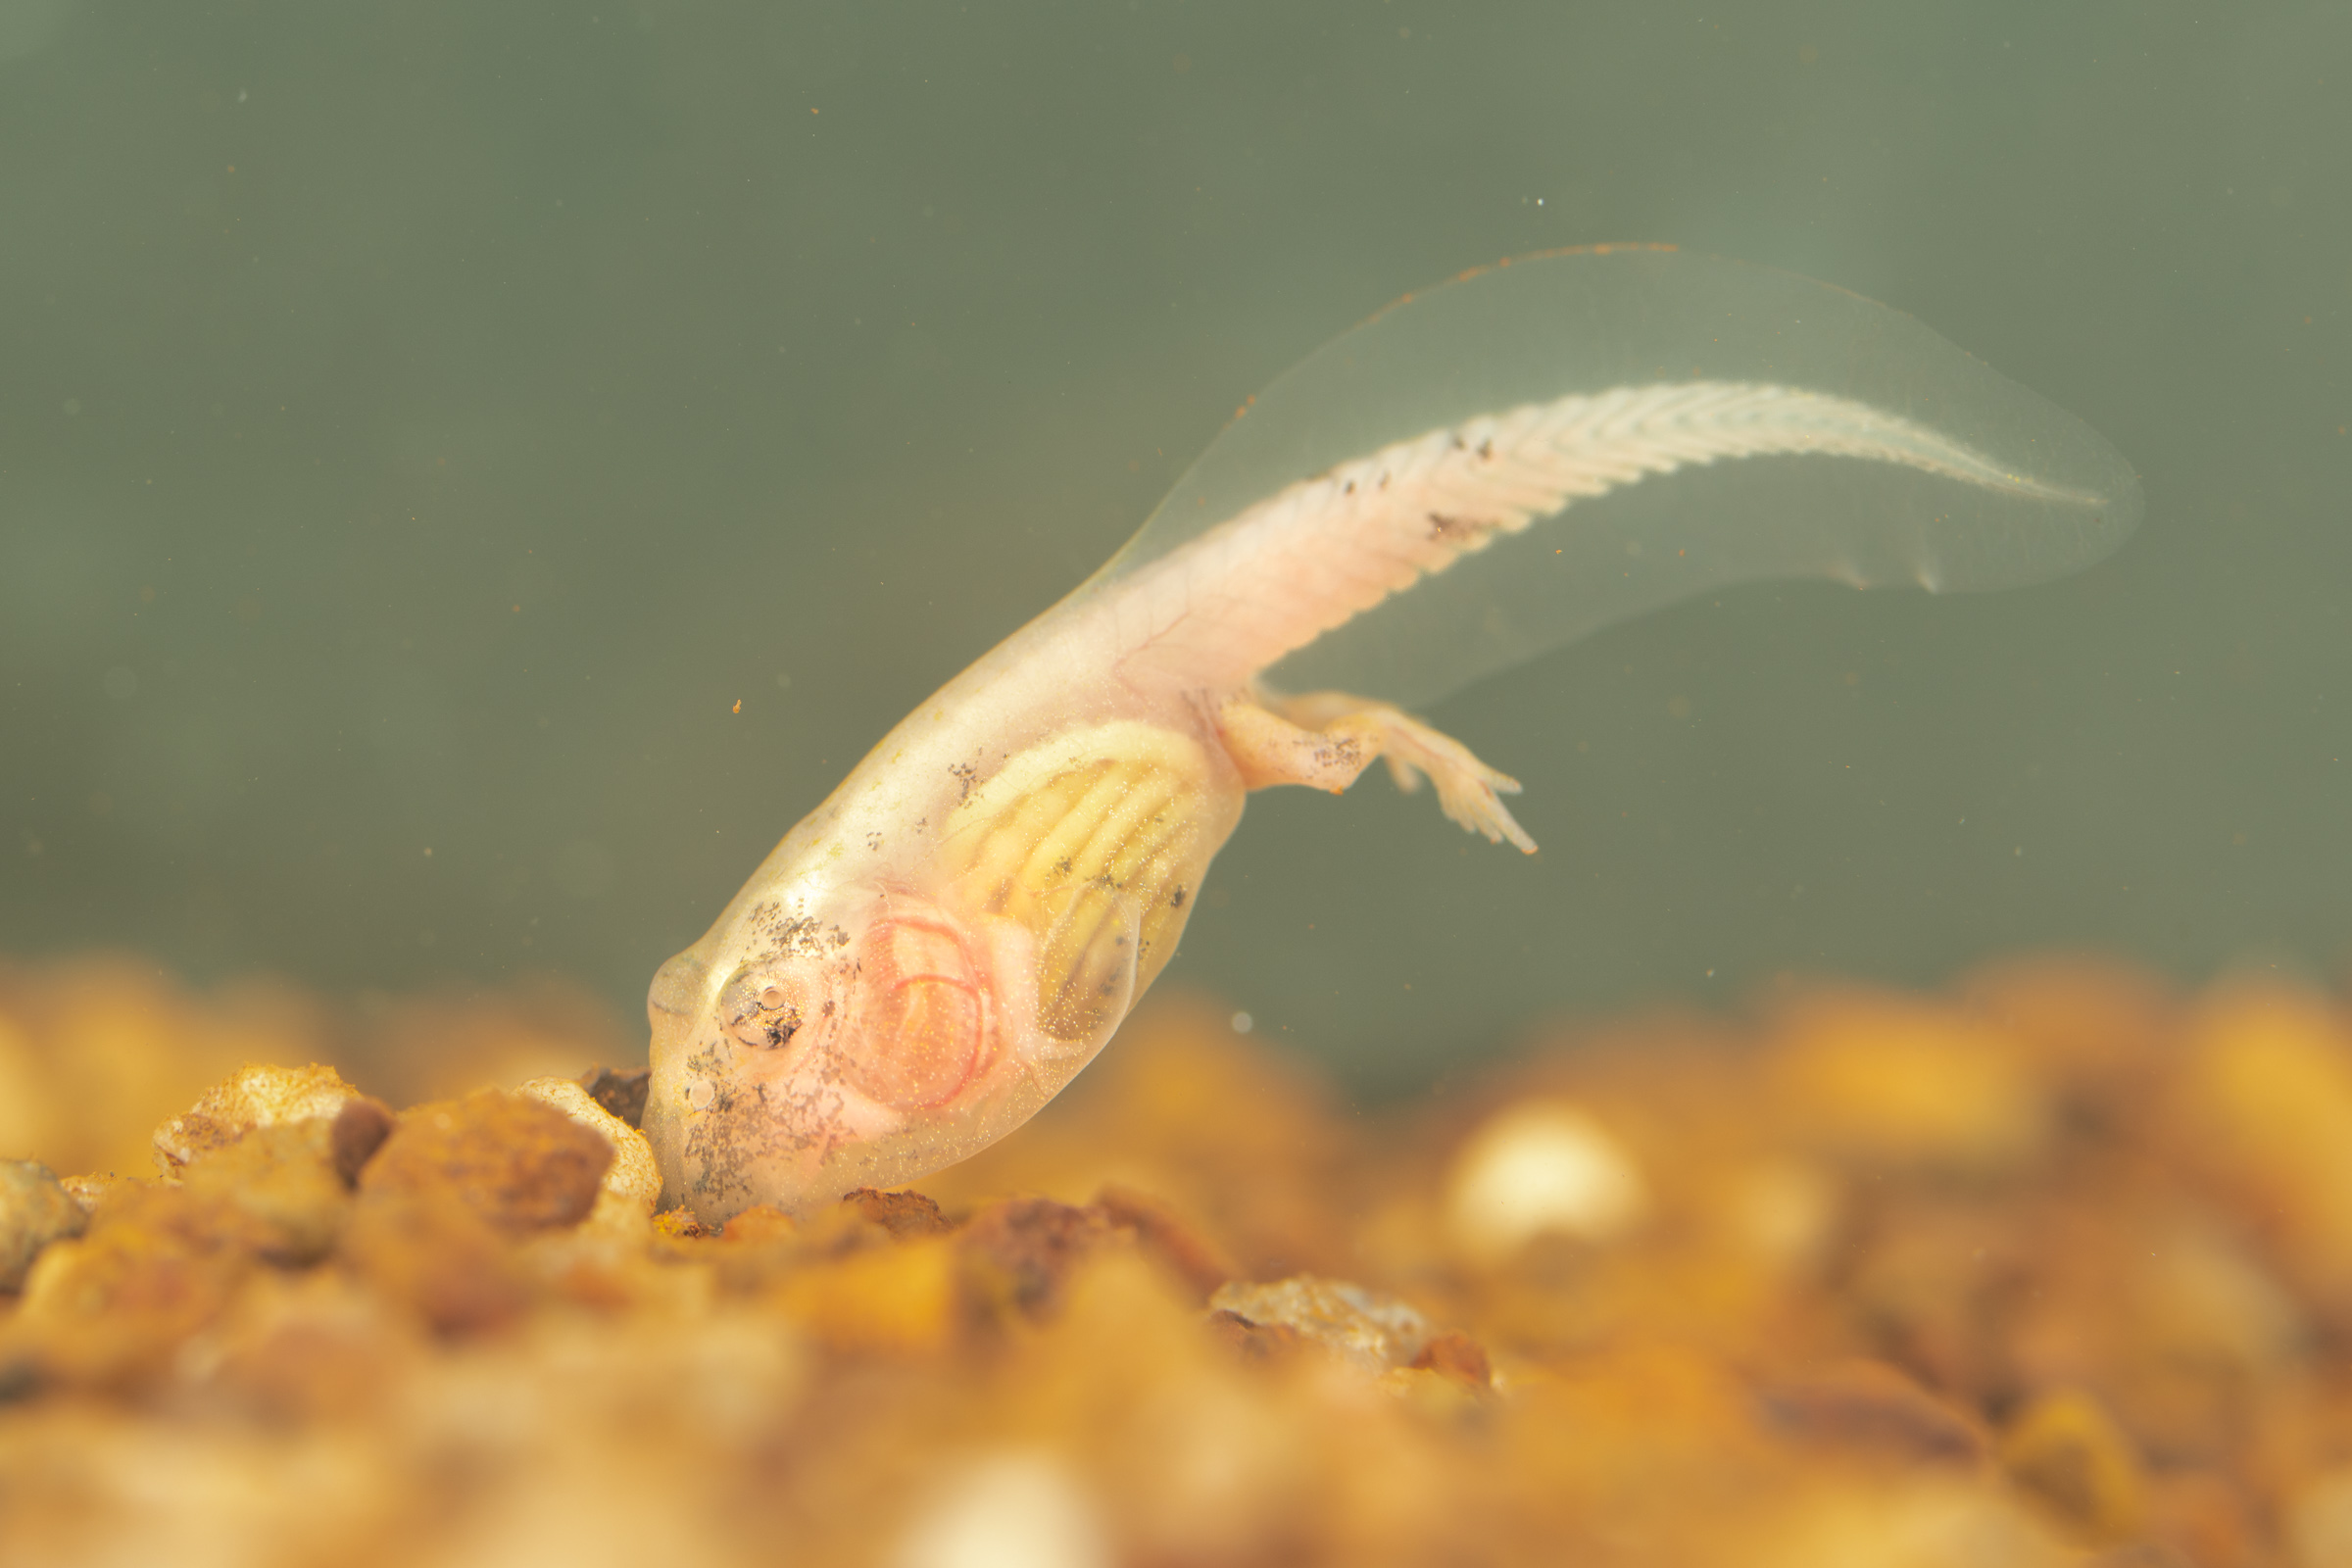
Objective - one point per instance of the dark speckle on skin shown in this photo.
(717, 1140)
(1176, 898)
(1442, 526)
(802, 936)
(1340, 753)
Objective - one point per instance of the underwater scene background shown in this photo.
(471, 478)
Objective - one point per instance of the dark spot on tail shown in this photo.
(1454, 530)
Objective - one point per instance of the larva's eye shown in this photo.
(762, 1011)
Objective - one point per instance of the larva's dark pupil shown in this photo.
(766, 1020)
(772, 1024)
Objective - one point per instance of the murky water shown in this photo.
(470, 479)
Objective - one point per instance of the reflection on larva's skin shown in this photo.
(940, 947)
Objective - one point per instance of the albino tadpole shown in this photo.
(1457, 485)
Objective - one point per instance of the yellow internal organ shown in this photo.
(1083, 839)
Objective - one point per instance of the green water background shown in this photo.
(422, 426)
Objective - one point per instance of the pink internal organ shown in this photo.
(926, 1017)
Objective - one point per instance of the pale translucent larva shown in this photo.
(1465, 481)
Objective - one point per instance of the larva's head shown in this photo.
(812, 1045)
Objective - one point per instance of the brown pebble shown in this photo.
(621, 1092)
(2071, 1456)
(2140, 1554)
(359, 1130)
(1458, 1355)
(35, 1210)
(760, 1246)
(757, 1225)
(517, 1163)
(256, 1095)
(157, 1265)
(434, 1251)
(1866, 1405)
(1020, 1251)
(1168, 1238)
(900, 1213)
(2207, 1518)
(310, 1346)
(286, 1180)
(1258, 1344)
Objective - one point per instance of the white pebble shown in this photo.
(1008, 1510)
(1541, 1166)
(634, 1179)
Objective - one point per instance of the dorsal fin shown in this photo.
(1312, 557)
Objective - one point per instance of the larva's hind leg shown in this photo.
(1326, 739)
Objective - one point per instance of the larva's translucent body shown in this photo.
(1448, 489)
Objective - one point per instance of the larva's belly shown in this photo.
(1093, 843)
